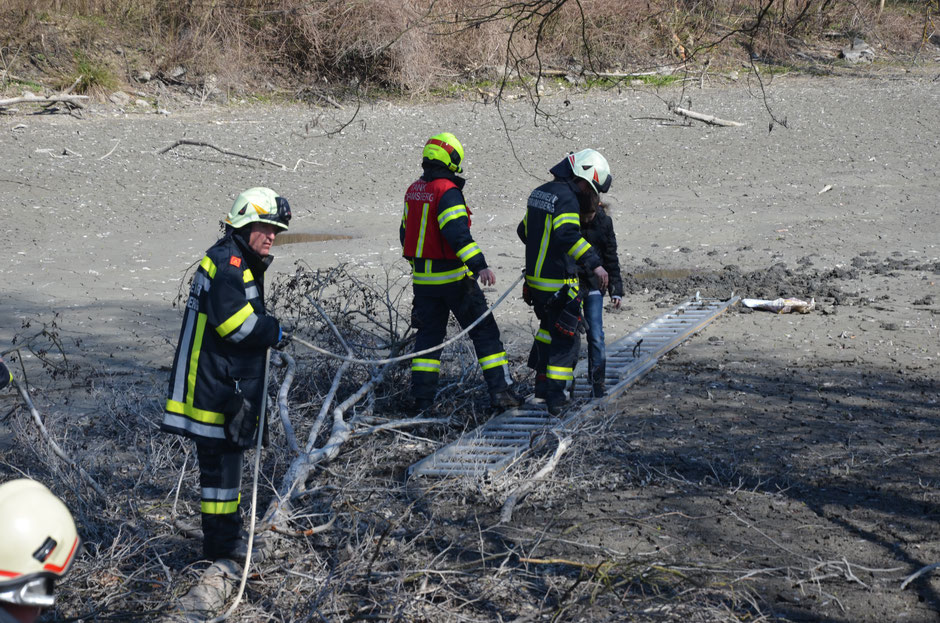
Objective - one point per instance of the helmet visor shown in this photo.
(603, 188)
(283, 211)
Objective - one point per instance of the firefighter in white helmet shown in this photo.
(217, 381)
(555, 249)
(38, 544)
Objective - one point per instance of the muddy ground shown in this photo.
(773, 467)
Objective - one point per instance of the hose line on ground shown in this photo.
(254, 493)
(419, 353)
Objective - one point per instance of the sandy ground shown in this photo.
(794, 455)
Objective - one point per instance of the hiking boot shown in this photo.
(239, 551)
(555, 408)
(422, 407)
(505, 399)
(599, 390)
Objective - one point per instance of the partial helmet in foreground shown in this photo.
(38, 543)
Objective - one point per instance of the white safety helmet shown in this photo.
(259, 205)
(590, 165)
(38, 543)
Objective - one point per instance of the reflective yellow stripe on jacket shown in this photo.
(429, 277)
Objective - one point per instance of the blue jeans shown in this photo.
(597, 350)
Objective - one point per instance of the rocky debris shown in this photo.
(120, 98)
(858, 52)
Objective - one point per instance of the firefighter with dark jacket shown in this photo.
(554, 249)
(446, 264)
(598, 229)
(5, 375)
(217, 382)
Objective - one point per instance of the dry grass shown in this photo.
(419, 47)
(426, 549)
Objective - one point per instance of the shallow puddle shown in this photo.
(294, 238)
(666, 273)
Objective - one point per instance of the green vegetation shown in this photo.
(93, 77)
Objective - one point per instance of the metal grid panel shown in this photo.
(507, 436)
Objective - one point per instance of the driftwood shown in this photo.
(706, 118)
(919, 573)
(608, 74)
(209, 594)
(184, 141)
(75, 100)
(304, 463)
(526, 487)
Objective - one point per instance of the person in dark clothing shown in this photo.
(5, 375)
(446, 264)
(598, 229)
(216, 388)
(554, 247)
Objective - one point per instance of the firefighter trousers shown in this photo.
(220, 478)
(431, 310)
(554, 353)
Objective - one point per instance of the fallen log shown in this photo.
(705, 118)
(35, 99)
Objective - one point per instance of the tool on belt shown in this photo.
(568, 310)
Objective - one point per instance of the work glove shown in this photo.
(283, 338)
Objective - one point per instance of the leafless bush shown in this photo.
(421, 48)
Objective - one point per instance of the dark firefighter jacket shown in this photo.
(600, 234)
(551, 231)
(223, 340)
(435, 229)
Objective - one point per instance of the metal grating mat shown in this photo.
(507, 436)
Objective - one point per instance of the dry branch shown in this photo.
(35, 99)
(185, 141)
(919, 573)
(526, 487)
(282, 408)
(302, 465)
(52, 444)
(706, 118)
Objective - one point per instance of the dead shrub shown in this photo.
(413, 47)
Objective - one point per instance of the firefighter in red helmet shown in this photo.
(446, 265)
